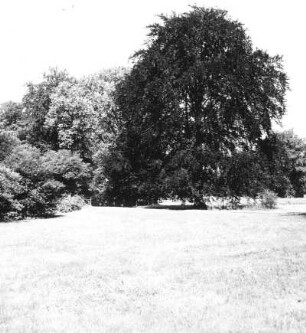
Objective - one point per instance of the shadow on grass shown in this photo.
(27, 219)
(296, 214)
(195, 207)
(176, 207)
(55, 216)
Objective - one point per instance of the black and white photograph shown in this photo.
(152, 166)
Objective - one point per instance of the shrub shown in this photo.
(41, 198)
(40, 192)
(69, 169)
(42, 179)
(70, 203)
(223, 202)
(7, 142)
(10, 188)
(25, 160)
(268, 199)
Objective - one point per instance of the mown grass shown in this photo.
(142, 270)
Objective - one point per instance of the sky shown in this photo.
(86, 36)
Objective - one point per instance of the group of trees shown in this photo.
(191, 119)
(48, 142)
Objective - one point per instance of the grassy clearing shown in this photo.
(145, 270)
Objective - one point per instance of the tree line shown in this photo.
(191, 119)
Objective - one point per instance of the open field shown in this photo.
(156, 270)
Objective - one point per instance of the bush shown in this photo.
(69, 169)
(70, 203)
(7, 143)
(41, 198)
(10, 188)
(45, 178)
(268, 199)
(40, 192)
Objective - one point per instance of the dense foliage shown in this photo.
(197, 102)
(52, 141)
(191, 120)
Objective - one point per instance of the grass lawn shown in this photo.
(155, 270)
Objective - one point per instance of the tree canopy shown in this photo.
(198, 93)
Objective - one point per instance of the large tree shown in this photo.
(37, 102)
(196, 95)
(81, 113)
(62, 112)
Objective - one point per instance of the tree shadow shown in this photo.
(176, 207)
(52, 217)
(296, 214)
(28, 219)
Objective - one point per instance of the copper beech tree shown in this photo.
(198, 94)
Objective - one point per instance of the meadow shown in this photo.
(156, 270)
